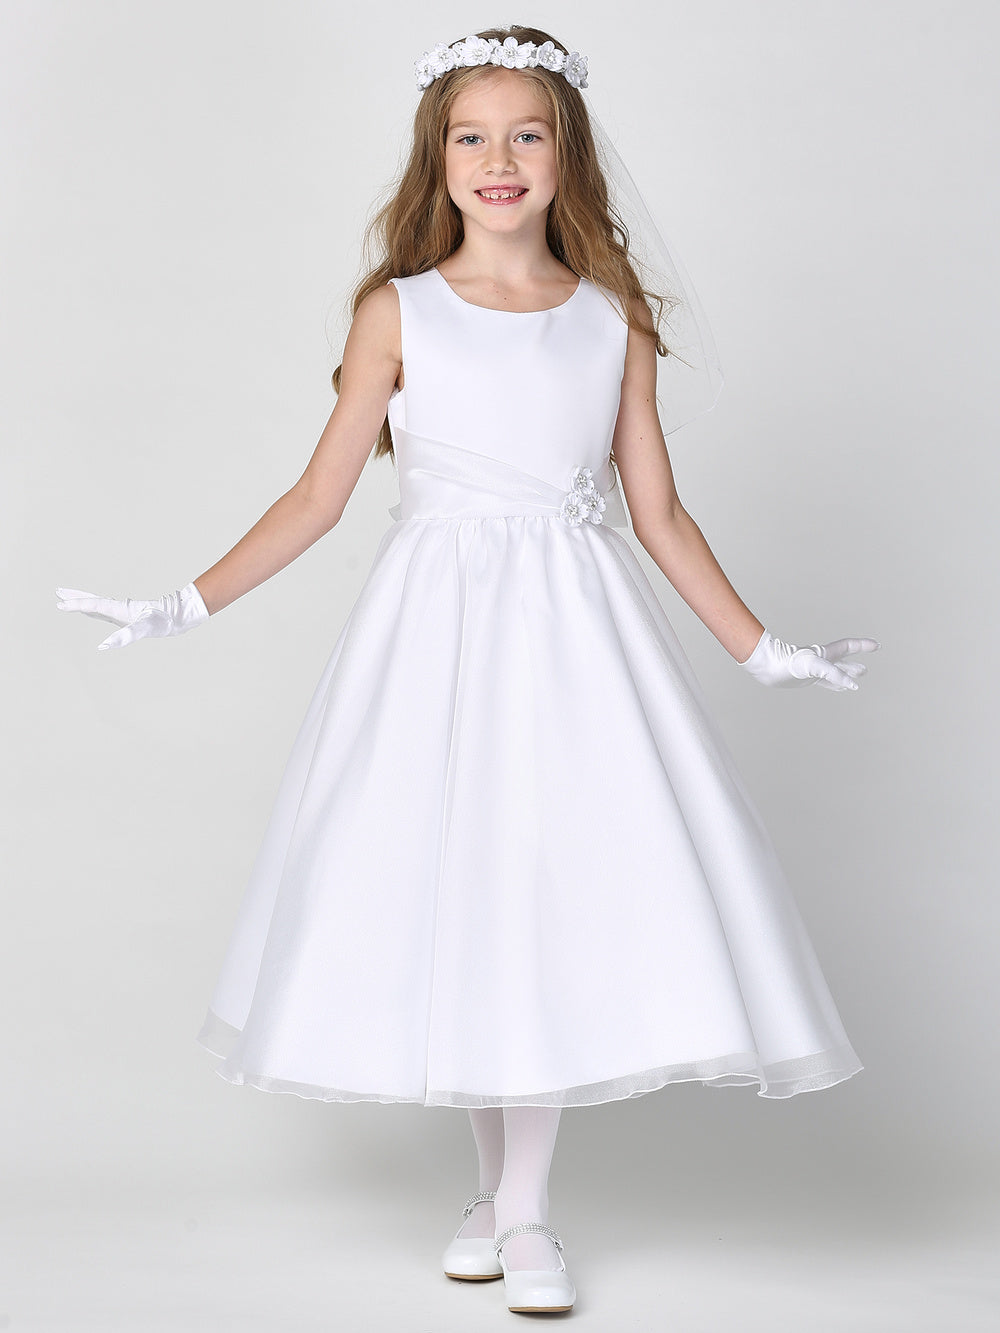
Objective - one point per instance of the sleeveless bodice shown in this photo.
(499, 408)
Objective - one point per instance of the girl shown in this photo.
(510, 866)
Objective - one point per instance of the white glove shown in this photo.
(173, 613)
(774, 662)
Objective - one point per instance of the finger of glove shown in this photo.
(853, 669)
(145, 626)
(119, 640)
(846, 647)
(102, 608)
(71, 599)
(833, 677)
(72, 593)
(805, 664)
(111, 619)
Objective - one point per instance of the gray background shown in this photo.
(184, 188)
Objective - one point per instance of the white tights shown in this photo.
(515, 1146)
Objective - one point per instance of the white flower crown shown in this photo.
(510, 54)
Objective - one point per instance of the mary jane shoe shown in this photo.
(473, 1258)
(542, 1290)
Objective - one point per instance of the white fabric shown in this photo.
(774, 662)
(487, 1130)
(523, 1193)
(511, 861)
(173, 613)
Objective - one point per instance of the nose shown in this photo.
(499, 160)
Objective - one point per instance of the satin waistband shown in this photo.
(441, 480)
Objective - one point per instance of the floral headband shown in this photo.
(510, 54)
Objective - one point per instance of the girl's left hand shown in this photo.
(774, 662)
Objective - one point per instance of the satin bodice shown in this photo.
(499, 408)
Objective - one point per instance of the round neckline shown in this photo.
(491, 310)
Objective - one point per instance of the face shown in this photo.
(500, 155)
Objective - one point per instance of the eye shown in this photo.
(466, 137)
(529, 135)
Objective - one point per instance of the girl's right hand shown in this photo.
(774, 662)
(173, 613)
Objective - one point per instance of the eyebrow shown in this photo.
(478, 124)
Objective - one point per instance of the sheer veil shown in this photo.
(689, 380)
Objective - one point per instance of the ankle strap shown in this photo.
(522, 1227)
(485, 1196)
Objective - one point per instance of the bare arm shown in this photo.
(665, 529)
(297, 519)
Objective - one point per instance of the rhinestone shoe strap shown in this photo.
(517, 1230)
(486, 1196)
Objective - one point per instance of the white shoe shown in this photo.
(473, 1258)
(535, 1289)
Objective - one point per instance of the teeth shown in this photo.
(500, 194)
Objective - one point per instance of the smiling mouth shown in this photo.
(504, 195)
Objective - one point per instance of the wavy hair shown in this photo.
(419, 226)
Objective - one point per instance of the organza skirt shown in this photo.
(511, 861)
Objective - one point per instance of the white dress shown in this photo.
(510, 861)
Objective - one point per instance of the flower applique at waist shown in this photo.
(583, 502)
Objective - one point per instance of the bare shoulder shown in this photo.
(378, 313)
(382, 302)
(640, 350)
(375, 329)
(641, 313)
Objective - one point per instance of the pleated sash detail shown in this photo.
(442, 480)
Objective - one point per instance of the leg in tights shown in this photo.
(487, 1129)
(523, 1192)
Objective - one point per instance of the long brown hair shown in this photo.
(420, 226)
